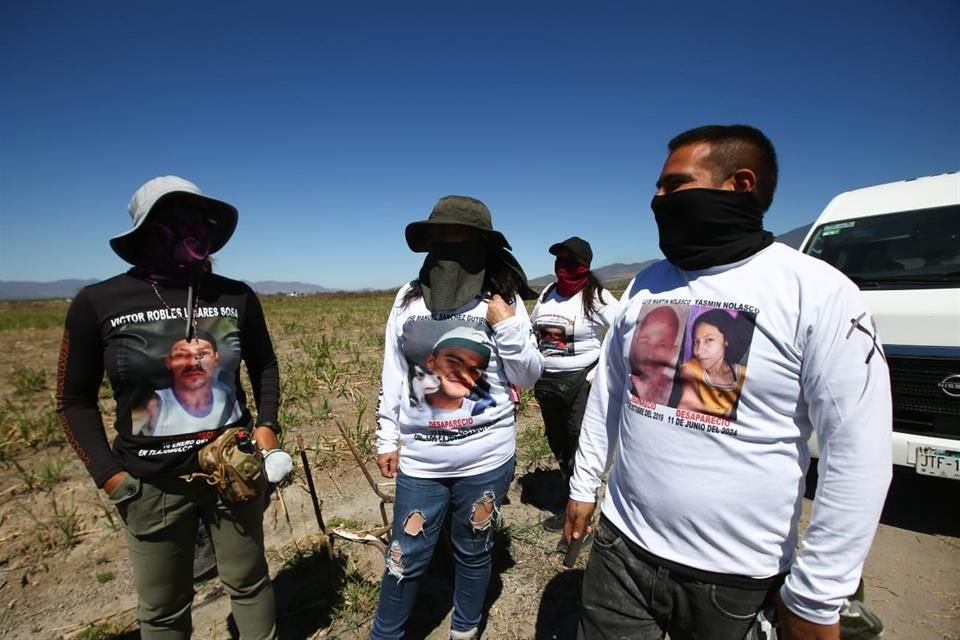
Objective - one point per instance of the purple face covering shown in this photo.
(177, 240)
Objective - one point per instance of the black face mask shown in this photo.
(701, 228)
(452, 274)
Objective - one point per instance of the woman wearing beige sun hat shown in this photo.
(172, 337)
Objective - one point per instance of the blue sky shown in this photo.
(331, 126)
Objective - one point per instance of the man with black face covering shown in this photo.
(699, 524)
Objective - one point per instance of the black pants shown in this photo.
(563, 399)
(627, 594)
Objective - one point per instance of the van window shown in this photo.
(894, 250)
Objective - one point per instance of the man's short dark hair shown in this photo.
(733, 147)
(206, 335)
(200, 334)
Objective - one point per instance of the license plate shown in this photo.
(942, 463)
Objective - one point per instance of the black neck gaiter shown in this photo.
(701, 228)
(452, 275)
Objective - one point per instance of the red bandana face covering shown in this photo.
(571, 276)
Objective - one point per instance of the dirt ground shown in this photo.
(63, 564)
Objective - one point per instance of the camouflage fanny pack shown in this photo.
(233, 464)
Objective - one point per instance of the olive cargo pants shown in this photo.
(160, 518)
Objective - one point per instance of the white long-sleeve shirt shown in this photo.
(569, 339)
(724, 494)
(478, 435)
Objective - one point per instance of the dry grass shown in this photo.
(329, 348)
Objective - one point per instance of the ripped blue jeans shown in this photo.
(419, 509)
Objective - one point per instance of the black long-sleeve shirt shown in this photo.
(172, 396)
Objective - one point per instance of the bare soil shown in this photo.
(57, 581)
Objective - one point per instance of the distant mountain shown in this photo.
(618, 275)
(26, 290)
(619, 271)
(612, 276)
(268, 287)
(794, 237)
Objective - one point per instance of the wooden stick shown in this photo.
(74, 630)
(384, 498)
(310, 485)
(283, 505)
(573, 550)
(363, 466)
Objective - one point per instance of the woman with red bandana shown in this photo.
(570, 318)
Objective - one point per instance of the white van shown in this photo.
(900, 242)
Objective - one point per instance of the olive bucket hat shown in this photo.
(461, 211)
(166, 191)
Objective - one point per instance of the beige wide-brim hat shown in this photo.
(462, 211)
(167, 190)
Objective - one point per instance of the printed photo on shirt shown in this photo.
(554, 335)
(655, 352)
(715, 349)
(447, 369)
(191, 382)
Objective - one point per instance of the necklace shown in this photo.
(191, 330)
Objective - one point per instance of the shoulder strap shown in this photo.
(547, 289)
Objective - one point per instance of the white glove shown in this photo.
(277, 464)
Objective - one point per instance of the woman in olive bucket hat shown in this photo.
(458, 341)
(171, 336)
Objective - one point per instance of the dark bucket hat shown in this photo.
(461, 211)
(577, 246)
